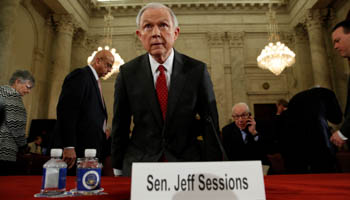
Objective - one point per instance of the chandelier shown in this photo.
(275, 56)
(107, 43)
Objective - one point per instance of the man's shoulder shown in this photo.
(134, 63)
(188, 60)
(229, 126)
(78, 72)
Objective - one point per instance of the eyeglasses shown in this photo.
(243, 116)
(28, 86)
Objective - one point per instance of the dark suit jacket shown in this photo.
(237, 150)
(190, 92)
(306, 141)
(345, 128)
(80, 113)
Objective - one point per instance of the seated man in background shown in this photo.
(241, 140)
(35, 146)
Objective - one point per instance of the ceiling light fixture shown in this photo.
(275, 56)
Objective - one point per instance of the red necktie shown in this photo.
(162, 90)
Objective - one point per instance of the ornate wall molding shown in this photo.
(236, 39)
(64, 23)
(132, 6)
(300, 34)
(92, 42)
(315, 18)
(216, 39)
(80, 38)
(287, 37)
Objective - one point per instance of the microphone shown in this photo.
(210, 121)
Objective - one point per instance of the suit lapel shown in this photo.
(96, 88)
(237, 134)
(178, 79)
(146, 79)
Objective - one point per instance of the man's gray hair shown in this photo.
(22, 75)
(156, 5)
(241, 104)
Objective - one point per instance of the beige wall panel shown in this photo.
(266, 84)
(22, 52)
(23, 45)
(193, 45)
(253, 45)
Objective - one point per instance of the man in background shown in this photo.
(341, 42)
(35, 146)
(162, 91)
(306, 145)
(281, 106)
(241, 140)
(278, 125)
(81, 111)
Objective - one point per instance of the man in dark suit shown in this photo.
(341, 41)
(306, 145)
(240, 139)
(81, 111)
(162, 91)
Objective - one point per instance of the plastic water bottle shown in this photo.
(54, 174)
(88, 172)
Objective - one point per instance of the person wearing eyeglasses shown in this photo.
(81, 110)
(240, 138)
(12, 130)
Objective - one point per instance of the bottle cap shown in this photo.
(90, 152)
(56, 152)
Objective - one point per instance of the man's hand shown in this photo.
(252, 126)
(69, 156)
(337, 140)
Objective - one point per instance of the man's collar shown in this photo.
(168, 64)
(94, 72)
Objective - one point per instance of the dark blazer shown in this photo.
(345, 128)
(307, 138)
(80, 113)
(190, 93)
(237, 150)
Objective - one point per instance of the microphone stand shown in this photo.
(210, 121)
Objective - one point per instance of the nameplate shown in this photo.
(197, 180)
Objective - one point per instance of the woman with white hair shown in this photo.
(12, 130)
